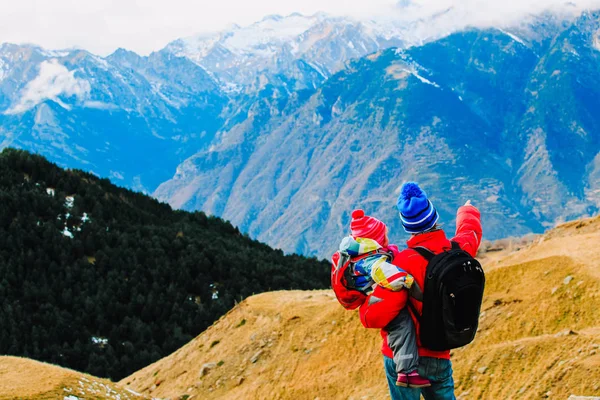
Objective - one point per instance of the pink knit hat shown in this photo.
(368, 227)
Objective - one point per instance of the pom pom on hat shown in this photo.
(416, 211)
(410, 190)
(364, 226)
(356, 214)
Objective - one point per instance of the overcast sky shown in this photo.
(102, 26)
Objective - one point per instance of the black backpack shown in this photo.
(452, 297)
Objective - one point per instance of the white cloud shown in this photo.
(457, 14)
(99, 105)
(53, 80)
(101, 26)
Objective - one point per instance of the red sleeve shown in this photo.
(381, 306)
(349, 299)
(468, 229)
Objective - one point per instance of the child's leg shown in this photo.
(402, 340)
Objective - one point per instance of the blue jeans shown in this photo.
(437, 370)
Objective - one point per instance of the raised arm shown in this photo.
(468, 228)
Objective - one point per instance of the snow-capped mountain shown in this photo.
(126, 117)
(285, 125)
(134, 118)
(493, 115)
(241, 56)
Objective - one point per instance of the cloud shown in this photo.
(144, 26)
(432, 18)
(53, 80)
(99, 105)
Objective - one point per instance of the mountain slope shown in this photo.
(467, 116)
(106, 281)
(126, 117)
(31, 380)
(539, 316)
(241, 56)
(269, 124)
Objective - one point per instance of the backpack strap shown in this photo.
(426, 253)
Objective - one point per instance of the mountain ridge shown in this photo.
(520, 95)
(106, 280)
(302, 344)
(418, 114)
(545, 323)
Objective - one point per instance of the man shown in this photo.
(419, 218)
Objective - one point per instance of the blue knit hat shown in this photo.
(416, 211)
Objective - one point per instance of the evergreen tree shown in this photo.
(117, 280)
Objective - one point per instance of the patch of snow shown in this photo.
(269, 30)
(53, 80)
(55, 53)
(230, 87)
(513, 37)
(596, 42)
(102, 63)
(50, 191)
(132, 392)
(263, 39)
(69, 201)
(67, 233)
(350, 44)
(2, 69)
(319, 70)
(422, 79)
(215, 295)
(85, 218)
(197, 47)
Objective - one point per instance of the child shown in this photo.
(370, 264)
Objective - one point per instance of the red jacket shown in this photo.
(381, 306)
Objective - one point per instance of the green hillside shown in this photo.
(104, 280)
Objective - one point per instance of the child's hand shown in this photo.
(468, 203)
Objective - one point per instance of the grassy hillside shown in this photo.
(25, 379)
(104, 280)
(539, 334)
(539, 337)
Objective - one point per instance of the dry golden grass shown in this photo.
(538, 334)
(303, 343)
(25, 379)
(308, 347)
(539, 338)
